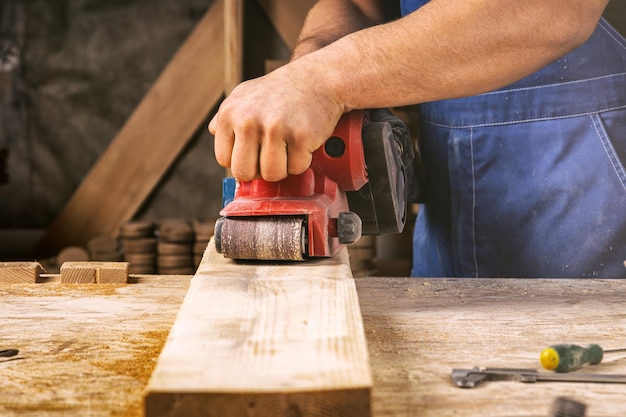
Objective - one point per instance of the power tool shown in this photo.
(356, 185)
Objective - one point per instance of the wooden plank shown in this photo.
(287, 17)
(265, 339)
(19, 272)
(149, 142)
(416, 329)
(233, 44)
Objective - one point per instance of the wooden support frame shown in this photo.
(207, 65)
(233, 44)
(149, 142)
(265, 340)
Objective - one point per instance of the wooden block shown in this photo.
(94, 272)
(78, 273)
(265, 339)
(112, 273)
(170, 114)
(19, 272)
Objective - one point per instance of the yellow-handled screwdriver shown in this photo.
(566, 357)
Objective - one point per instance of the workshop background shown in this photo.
(71, 73)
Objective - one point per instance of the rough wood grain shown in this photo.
(111, 272)
(265, 339)
(77, 273)
(19, 272)
(151, 139)
(94, 272)
(419, 329)
(85, 350)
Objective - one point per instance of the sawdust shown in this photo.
(58, 289)
(144, 360)
(146, 349)
(140, 368)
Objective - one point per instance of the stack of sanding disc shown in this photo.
(174, 247)
(203, 230)
(138, 243)
(104, 248)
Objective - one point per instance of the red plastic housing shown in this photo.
(349, 170)
(318, 194)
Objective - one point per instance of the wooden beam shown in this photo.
(265, 339)
(19, 272)
(287, 17)
(149, 142)
(78, 273)
(233, 44)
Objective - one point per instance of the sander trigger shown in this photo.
(356, 185)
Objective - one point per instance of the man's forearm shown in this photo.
(330, 20)
(452, 48)
(270, 126)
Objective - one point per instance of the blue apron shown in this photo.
(529, 180)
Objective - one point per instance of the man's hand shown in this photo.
(269, 127)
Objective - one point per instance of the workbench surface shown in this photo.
(88, 350)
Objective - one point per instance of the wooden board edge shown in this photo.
(353, 402)
(163, 400)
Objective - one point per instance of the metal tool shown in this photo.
(7, 353)
(356, 185)
(567, 357)
(567, 407)
(469, 378)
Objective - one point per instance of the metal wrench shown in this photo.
(469, 378)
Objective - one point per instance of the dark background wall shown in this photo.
(616, 14)
(84, 65)
(72, 71)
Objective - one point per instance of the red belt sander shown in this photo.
(355, 185)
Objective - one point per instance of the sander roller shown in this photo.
(356, 185)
